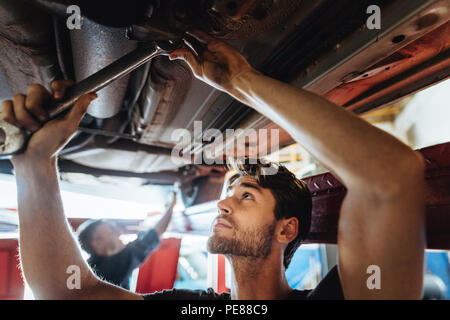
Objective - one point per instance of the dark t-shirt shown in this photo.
(328, 289)
(117, 269)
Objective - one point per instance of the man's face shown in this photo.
(105, 240)
(246, 222)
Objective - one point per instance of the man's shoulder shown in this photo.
(327, 289)
(185, 294)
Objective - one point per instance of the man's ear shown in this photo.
(287, 230)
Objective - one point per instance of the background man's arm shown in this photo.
(163, 223)
(47, 246)
(148, 241)
(382, 218)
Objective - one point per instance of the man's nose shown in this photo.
(224, 207)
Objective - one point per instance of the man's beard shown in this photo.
(255, 243)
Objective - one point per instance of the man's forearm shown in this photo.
(327, 131)
(47, 246)
(382, 218)
(163, 223)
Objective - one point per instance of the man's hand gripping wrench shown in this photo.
(14, 140)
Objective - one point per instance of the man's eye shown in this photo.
(247, 195)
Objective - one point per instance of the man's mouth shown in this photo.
(221, 223)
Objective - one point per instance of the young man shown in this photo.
(381, 220)
(110, 258)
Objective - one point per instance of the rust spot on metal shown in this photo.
(427, 21)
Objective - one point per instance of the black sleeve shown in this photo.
(184, 294)
(140, 248)
(329, 288)
(117, 268)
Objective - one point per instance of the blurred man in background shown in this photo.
(110, 258)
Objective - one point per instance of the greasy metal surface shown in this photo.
(364, 48)
(161, 98)
(93, 47)
(235, 9)
(234, 19)
(160, 178)
(233, 14)
(251, 17)
(400, 17)
(63, 49)
(268, 34)
(424, 58)
(314, 35)
(127, 145)
(106, 133)
(422, 66)
(55, 8)
(26, 46)
(328, 194)
(420, 77)
(117, 14)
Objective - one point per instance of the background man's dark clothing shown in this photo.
(117, 269)
(328, 289)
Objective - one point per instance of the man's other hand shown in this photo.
(30, 112)
(218, 64)
(173, 201)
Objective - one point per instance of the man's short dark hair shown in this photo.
(86, 232)
(291, 194)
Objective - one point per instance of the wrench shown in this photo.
(14, 140)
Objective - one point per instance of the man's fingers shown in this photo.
(79, 109)
(23, 117)
(208, 56)
(186, 55)
(35, 100)
(8, 113)
(59, 88)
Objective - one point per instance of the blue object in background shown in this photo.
(308, 266)
(437, 263)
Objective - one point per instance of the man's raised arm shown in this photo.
(49, 252)
(163, 223)
(382, 218)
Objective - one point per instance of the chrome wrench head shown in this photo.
(14, 140)
(166, 47)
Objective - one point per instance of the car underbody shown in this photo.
(321, 45)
